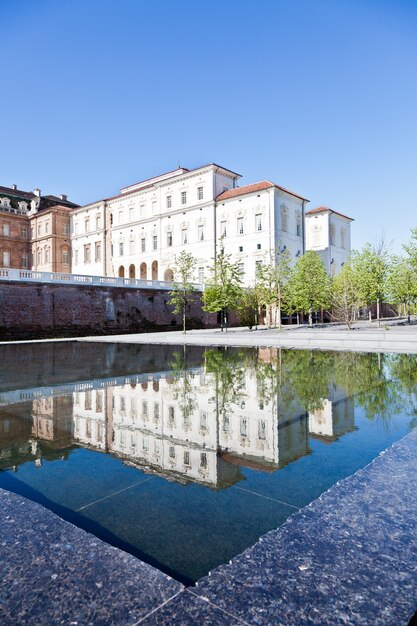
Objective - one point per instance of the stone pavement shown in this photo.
(350, 557)
(365, 338)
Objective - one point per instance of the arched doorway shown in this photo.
(143, 271)
(155, 270)
(169, 275)
(132, 271)
(121, 272)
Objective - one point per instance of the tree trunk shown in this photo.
(183, 322)
(310, 316)
(377, 313)
(370, 314)
(408, 313)
(279, 315)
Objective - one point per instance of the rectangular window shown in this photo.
(76, 228)
(169, 239)
(76, 257)
(39, 229)
(98, 251)
(201, 233)
(169, 202)
(98, 222)
(201, 274)
(86, 225)
(65, 257)
(184, 236)
(183, 197)
(99, 401)
(298, 229)
(24, 232)
(155, 242)
(241, 269)
(240, 226)
(203, 460)
(47, 227)
(154, 207)
(258, 267)
(131, 245)
(223, 229)
(6, 230)
(121, 250)
(87, 253)
(343, 238)
(131, 214)
(120, 217)
(143, 244)
(186, 457)
(65, 228)
(200, 193)
(258, 221)
(171, 413)
(24, 260)
(156, 411)
(6, 259)
(145, 408)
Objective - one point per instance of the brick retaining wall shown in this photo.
(33, 310)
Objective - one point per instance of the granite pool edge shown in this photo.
(282, 579)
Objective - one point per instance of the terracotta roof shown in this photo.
(263, 184)
(326, 209)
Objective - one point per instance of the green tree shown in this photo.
(182, 292)
(411, 248)
(224, 287)
(370, 266)
(402, 283)
(272, 280)
(345, 296)
(248, 307)
(310, 284)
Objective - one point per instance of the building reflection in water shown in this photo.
(190, 424)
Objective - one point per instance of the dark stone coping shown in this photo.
(350, 557)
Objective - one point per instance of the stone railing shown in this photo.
(21, 275)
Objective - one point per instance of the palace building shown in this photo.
(34, 230)
(139, 232)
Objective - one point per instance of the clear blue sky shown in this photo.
(319, 96)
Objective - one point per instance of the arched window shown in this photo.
(65, 256)
(121, 272)
(132, 271)
(169, 275)
(143, 271)
(155, 270)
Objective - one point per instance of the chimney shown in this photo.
(63, 197)
(14, 187)
(37, 192)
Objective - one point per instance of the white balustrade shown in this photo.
(22, 276)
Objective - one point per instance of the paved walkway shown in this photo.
(364, 338)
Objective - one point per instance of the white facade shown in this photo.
(258, 223)
(328, 233)
(146, 226)
(88, 240)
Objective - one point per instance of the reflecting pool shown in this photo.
(186, 456)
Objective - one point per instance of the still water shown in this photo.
(186, 456)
